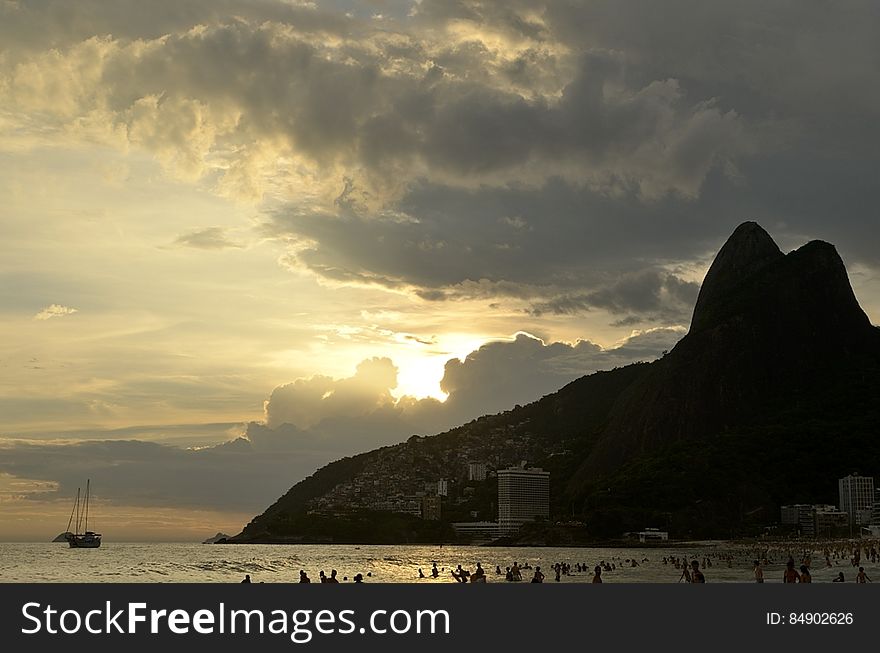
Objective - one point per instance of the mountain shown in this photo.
(213, 540)
(769, 398)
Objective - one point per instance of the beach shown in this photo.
(729, 562)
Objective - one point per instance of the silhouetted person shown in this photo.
(790, 575)
(434, 571)
(322, 577)
(538, 577)
(358, 578)
(759, 572)
(685, 574)
(597, 574)
(862, 577)
(806, 576)
(421, 573)
(303, 578)
(247, 578)
(332, 578)
(839, 579)
(696, 575)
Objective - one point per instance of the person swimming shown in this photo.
(247, 578)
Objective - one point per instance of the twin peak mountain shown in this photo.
(770, 397)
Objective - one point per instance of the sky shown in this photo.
(242, 238)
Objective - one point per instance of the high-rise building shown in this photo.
(476, 471)
(875, 512)
(523, 496)
(857, 497)
(442, 488)
(431, 508)
(800, 515)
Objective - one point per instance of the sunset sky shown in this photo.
(242, 238)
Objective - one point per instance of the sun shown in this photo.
(421, 367)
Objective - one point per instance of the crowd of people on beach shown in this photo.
(692, 569)
(323, 578)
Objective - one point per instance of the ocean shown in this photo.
(206, 563)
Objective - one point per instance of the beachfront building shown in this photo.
(801, 516)
(815, 520)
(476, 471)
(523, 496)
(431, 508)
(653, 535)
(830, 522)
(857, 497)
(875, 512)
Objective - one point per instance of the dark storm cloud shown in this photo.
(648, 293)
(795, 85)
(625, 137)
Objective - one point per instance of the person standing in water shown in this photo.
(597, 574)
(862, 577)
(247, 578)
(806, 577)
(538, 577)
(696, 575)
(790, 575)
(759, 572)
(685, 574)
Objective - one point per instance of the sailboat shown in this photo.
(82, 539)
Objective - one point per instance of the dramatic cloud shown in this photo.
(54, 310)
(577, 129)
(360, 410)
(308, 423)
(306, 402)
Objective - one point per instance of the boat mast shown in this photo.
(88, 482)
(73, 510)
(78, 514)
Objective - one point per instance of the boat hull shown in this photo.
(84, 541)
